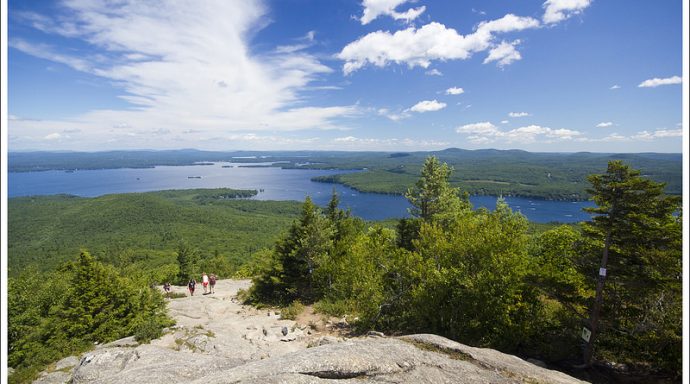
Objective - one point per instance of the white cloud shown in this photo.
(518, 114)
(454, 91)
(486, 132)
(357, 143)
(53, 136)
(484, 129)
(433, 72)
(655, 82)
(393, 116)
(604, 124)
(658, 134)
(376, 8)
(615, 86)
(434, 41)
(504, 121)
(427, 106)
(212, 85)
(504, 54)
(559, 10)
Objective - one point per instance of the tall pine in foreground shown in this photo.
(636, 314)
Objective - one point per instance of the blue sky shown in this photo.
(393, 75)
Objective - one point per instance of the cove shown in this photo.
(273, 183)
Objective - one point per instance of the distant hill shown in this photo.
(557, 176)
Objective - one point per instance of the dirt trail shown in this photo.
(218, 324)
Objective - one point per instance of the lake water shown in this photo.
(273, 183)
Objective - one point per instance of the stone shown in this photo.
(284, 331)
(66, 363)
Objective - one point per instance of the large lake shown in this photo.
(273, 183)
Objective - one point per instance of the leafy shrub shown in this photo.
(292, 311)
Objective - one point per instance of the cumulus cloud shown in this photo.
(559, 10)
(518, 114)
(655, 82)
(418, 47)
(195, 57)
(485, 132)
(427, 106)
(454, 91)
(604, 124)
(376, 8)
(504, 54)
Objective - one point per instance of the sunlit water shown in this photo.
(272, 183)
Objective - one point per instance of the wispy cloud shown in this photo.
(433, 72)
(604, 124)
(376, 8)
(359, 143)
(518, 114)
(614, 87)
(655, 82)
(214, 74)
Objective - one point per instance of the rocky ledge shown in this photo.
(218, 340)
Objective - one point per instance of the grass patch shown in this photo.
(292, 311)
(451, 353)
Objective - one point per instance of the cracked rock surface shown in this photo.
(217, 340)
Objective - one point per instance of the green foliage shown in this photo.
(143, 230)
(636, 231)
(56, 314)
(292, 311)
(290, 273)
(188, 260)
(432, 196)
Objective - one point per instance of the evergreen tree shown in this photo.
(432, 197)
(296, 257)
(188, 260)
(639, 239)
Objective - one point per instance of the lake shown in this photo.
(274, 183)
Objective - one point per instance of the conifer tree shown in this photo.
(639, 238)
(432, 197)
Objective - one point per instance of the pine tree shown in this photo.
(188, 260)
(432, 197)
(639, 238)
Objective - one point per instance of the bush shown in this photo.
(292, 311)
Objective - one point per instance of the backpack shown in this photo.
(191, 284)
(212, 279)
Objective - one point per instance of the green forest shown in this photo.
(480, 277)
(483, 278)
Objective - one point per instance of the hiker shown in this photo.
(166, 288)
(212, 282)
(191, 286)
(204, 282)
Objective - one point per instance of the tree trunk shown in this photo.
(594, 317)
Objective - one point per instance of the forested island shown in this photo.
(552, 176)
(484, 278)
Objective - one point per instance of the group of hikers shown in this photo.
(207, 281)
